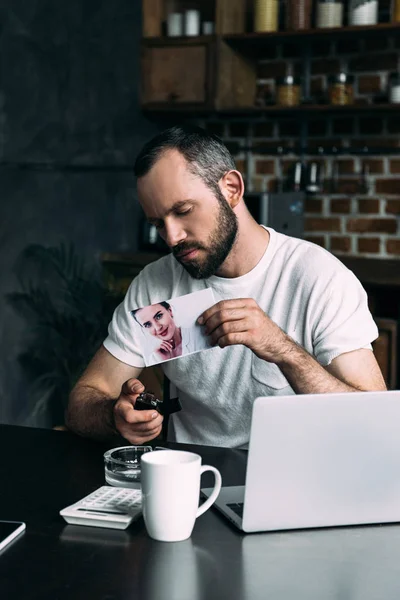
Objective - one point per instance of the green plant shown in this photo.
(67, 308)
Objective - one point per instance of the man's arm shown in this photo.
(242, 321)
(102, 402)
(349, 372)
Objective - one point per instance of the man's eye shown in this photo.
(184, 212)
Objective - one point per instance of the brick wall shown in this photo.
(354, 215)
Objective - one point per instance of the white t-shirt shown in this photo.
(303, 288)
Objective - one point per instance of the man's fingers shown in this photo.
(125, 410)
(233, 339)
(226, 317)
(148, 425)
(240, 325)
(139, 439)
(149, 431)
(221, 306)
(132, 387)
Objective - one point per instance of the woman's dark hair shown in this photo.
(206, 155)
(133, 312)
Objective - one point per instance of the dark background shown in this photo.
(70, 128)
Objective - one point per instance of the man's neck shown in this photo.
(249, 248)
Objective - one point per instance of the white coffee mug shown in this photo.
(170, 488)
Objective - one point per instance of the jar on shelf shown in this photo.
(288, 91)
(394, 88)
(329, 13)
(396, 11)
(266, 15)
(175, 24)
(298, 14)
(341, 89)
(192, 22)
(363, 12)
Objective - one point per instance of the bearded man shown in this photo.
(290, 318)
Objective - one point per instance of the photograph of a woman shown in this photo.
(166, 338)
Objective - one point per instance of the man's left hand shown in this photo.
(241, 321)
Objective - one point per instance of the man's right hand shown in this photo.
(136, 426)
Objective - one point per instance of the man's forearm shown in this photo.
(307, 376)
(91, 413)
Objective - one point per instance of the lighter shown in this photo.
(148, 401)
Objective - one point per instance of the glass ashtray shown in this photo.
(122, 465)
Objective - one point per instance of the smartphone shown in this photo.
(9, 530)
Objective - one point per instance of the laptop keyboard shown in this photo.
(237, 508)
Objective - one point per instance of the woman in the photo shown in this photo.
(158, 321)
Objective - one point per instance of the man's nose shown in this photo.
(174, 234)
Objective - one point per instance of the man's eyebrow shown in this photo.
(174, 207)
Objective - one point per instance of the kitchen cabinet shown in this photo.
(228, 16)
(202, 73)
(195, 73)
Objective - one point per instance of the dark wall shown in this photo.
(70, 127)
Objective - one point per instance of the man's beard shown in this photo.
(220, 243)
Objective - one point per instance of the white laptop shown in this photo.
(318, 461)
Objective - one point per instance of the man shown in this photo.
(290, 318)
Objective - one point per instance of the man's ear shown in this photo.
(232, 187)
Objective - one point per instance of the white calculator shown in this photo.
(113, 507)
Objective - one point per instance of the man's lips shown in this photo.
(187, 254)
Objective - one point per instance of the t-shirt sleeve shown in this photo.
(344, 322)
(123, 335)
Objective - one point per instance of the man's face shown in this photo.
(199, 226)
(157, 321)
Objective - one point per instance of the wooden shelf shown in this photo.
(313, 108)
(265, 111)
(222, 51)
(254, 38)
(179, 40)
(254, 43)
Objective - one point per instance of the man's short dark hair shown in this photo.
(206, 155)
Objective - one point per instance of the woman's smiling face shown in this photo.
(157, 320)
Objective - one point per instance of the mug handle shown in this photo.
(214, 494)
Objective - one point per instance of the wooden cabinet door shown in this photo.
(176, 74)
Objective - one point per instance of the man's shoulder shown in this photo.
(307, 264)
(299, 253)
